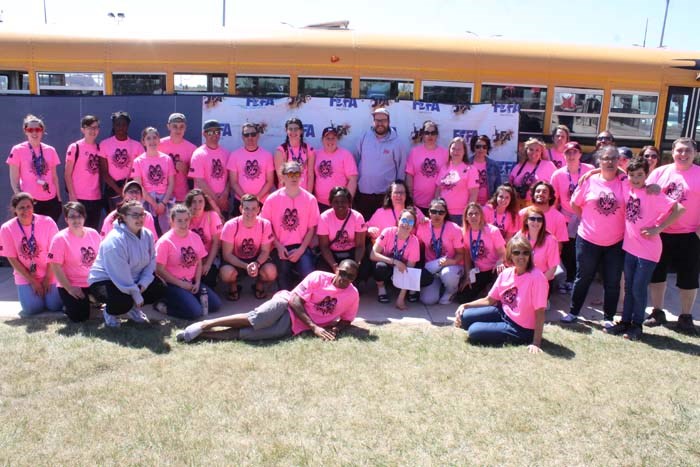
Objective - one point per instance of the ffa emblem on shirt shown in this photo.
(247, 248)
(326, 306)
(28, 249)
(87, 256)
(344, 240)
(93, 163)
(290, 219)
(510, 297)
(528, 179)
(632, 210)
(217, 169)
(675, 191)
(188, 257)
(429, 168)
(252, 169)
(325, 169)
(607, 204)
(155, 174)
(479, 247)
(482, 178)
(557, 164)
(120, 158)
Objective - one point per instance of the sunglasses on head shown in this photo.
(520, 253)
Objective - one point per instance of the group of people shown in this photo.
(171, 236)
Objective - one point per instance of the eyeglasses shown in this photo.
(250, 135)
(348, 276)
(480, 146)
(75, 216)
(520, 253)
(400, 193)
(382, 121)
(439, 212)
(430, 133)
(134, 215)
(34, 130)
(604, 138)
(212, 132)
(535, 219)
(293, 174)
(651, 156)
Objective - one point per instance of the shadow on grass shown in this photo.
(557, 350)
(351, 332)
(670, 343)
(36, 323)
(154, 336)
(580, 327)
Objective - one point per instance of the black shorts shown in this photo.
(682, 252)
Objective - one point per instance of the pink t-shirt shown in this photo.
(300, 155)
(521, 295)
(291, 218)
(15, 244)
(411, 247)
(247, 241)
(425, 164)
(557, 158)
(252, 168)
(530, 174)
(565, 183)
(556, 223)
(546, 256)
(181, 152)
(451, 240)
(455, 183)
(329, 225)
(207, 226)
(507, 224)
(154, 172)
(387, 217)
(180, 255)
(684, 187)
(323, 302)
(603, 210)
(643, 211)
(30, 172)
(86, 171)
(120, 155)
(210, 165)
(332, 170)
(483, 246)
(480, 168)
(75, 254)
(108, 224)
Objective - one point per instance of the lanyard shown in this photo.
(39, 164)
(31, 245)
(572, 185)
(396, 253)
(436, 244)
(393, 213)
(474, 246)
(299, 157)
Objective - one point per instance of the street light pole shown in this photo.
(663, 28)
(223, 16)
(45, 21)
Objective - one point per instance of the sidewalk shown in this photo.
(370, 311)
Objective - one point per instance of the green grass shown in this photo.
(386, 395)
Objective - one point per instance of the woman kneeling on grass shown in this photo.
(513, 311)
(323, 303)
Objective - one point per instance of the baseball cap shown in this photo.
(380, 110)
(211, 125)
(329, 129)
(572, 145)
(177, 117)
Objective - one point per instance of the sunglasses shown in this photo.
(479, 146)
(651, 156)
(34, 130)
(250, 135)
(439, 212)
(520, 253)
(212, 132)
(409, 222)
(535, 219)
(604, 138)
(430, 133)
(348, 276)
(293, 174)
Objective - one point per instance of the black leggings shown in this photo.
(77, 310)
(118, 302)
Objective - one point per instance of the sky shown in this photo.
(612, 22)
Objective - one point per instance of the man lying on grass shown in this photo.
(323, 302)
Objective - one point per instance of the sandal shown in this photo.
(259, 292)
(234, 295)
(383, 298)
(413, 297)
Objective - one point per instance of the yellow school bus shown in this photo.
(643, 96)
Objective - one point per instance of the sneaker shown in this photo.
(137, 316)
(608, 323)
(634, 333)
(656, 318)
(570, 318)
(446, 299)
(111, 321)
(617, 329)
(685, 325)
(190, 333)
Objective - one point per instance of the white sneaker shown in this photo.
(446, 299)
(161, 307)
(111, 321)
(137, 316)
(190, 333)
(608, 324)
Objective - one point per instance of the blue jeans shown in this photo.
(588, 257)
(33, 303)
(303, 267)
(489, 325)
(638, 272)
(184, 304)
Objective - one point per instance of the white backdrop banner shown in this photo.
(353, 116)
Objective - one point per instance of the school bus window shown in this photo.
(70, 84)
(385, 89)
(532, 101)
(201, 82)
(325, 87)
(138, 83)
(632, 114)
(578, 109)
(262, 86)
(14, 82)
(447, 92)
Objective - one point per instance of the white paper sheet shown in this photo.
(409, 280)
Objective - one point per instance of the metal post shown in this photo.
(45, 21)
(663, 28)
(223, 16)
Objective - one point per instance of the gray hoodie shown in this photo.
(380, 161)
(125, 259)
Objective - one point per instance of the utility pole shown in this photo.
(663, 28)
(223, 16)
